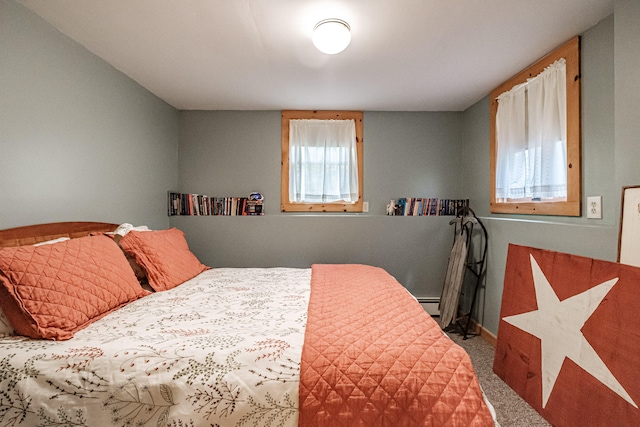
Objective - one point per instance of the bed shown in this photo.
(104, 325)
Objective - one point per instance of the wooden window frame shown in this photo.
(285, 204)
(570, 51)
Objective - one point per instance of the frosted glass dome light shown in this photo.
(331, 36)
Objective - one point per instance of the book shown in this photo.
(202, 205)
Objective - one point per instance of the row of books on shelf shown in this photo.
(416, 206)
(199, 204)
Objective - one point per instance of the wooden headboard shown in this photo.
(30, 234)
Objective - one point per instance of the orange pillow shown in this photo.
(165, 256)
(52, 291)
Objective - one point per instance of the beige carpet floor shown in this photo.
(511, 409)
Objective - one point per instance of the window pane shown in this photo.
(551, 152)
(322, 161)
(342, 164)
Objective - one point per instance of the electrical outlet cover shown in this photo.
(594, 207)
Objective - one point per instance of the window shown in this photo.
(321, 161)
(535, 138)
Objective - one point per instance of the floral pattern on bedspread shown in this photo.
(221, 349)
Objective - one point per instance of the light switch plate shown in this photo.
(594, 207)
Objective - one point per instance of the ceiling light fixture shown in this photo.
(331, 36)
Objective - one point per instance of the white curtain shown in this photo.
(512, 144)
(531, 127)
(323, 164)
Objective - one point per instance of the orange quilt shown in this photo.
(372, 357)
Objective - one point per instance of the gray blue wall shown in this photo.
(78, 139)
(627, 91)
(232, 153)
(610, 155)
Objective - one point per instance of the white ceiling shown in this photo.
(405, 55)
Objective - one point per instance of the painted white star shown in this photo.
(558, 325)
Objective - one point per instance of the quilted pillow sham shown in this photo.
(165, 256)
(52, 291)
(5, 325)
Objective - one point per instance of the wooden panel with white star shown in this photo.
(569, 337)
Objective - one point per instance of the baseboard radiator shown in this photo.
(430, 305)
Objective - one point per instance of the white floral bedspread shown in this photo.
(222, 349)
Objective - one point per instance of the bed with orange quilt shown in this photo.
(104, 325)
